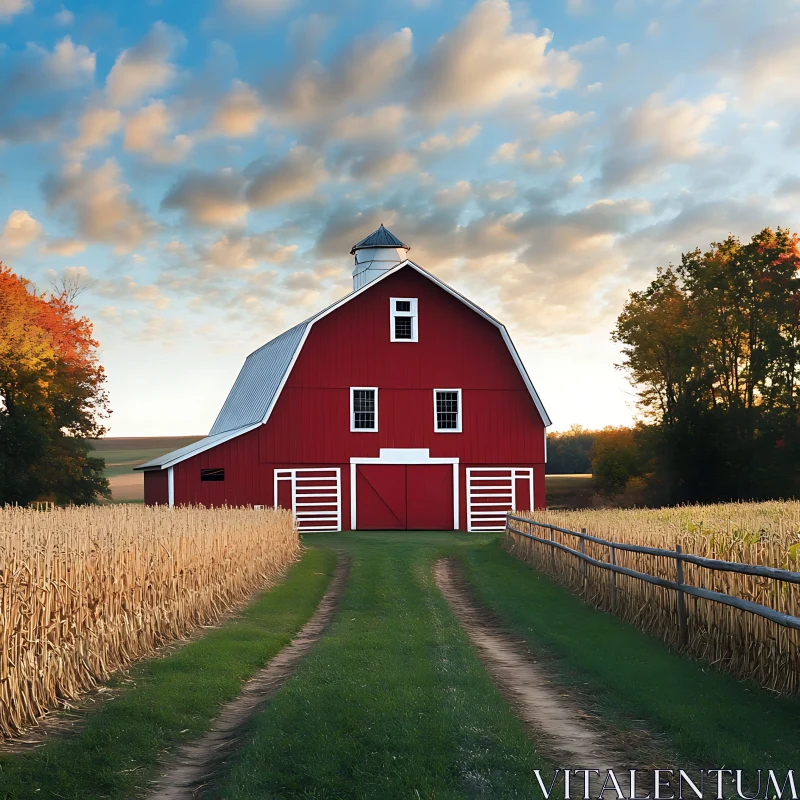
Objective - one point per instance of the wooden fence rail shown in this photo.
(605, 593)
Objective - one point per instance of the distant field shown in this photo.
(122, 454)
(569, 491)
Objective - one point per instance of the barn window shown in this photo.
(447, 410)
(403, 319)
(363, 408)
(212, 474)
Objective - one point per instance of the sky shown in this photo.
(204, 167)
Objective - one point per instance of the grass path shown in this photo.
(393, 702)
(169, 701)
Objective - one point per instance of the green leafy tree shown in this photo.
(712, 349)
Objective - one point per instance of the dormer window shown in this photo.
(403, 319)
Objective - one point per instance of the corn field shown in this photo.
(85, 591)
(750, 533)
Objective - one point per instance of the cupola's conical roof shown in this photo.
(379, 238)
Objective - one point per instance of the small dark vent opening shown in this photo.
(212, 474)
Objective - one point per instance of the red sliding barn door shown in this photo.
(381, 496)
(429, 497)
(415, 497)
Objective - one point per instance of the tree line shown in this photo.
(711, 349)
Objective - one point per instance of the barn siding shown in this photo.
(156, 487)
(310, 424)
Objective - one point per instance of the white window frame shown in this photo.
(457, 429)
(412, 313)
(353, 390)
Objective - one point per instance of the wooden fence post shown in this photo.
(552, 549)
(682, 621)
(613, 579)
(583, 563)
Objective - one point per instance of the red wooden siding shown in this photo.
(156, 488)
(310, 424)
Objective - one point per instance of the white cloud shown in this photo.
(315, 93)
(443, 142)
(68, 64)
(64, 247)
(482, 62)
(149, 130)
(10, 8)
(293, 177)
(64, 17)
(258, 9)
(211, 199)
(578, 7)
(146, 67)
(98, 203)
(239, 113)
(657, 134)
(95, 127)
(21, 229)
(382, 123)
(557, 124)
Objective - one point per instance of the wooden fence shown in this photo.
(662, 592)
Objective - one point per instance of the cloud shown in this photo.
(67, 65)
(21, 229)
(314, 93)
(126, 287)
(239, 113)
(64, 247)
(558, 124)
(146, 67)
(98, 204)
(64, 17)
(215, 199)
(235, 251)
(482, 62)
(443, 143)
(578, 8)
(297, 175)
(769, 62)
(10, 8)
(656, 134)
(95, 127)
(382, 122)
(149, 130)
(257, 9)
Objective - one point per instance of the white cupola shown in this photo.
(376, 254)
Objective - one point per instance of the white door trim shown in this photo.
(401, 455)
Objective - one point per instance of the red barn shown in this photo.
(402, 406)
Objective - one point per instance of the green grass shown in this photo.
(170, 700)
(393, 702)
(707, 717)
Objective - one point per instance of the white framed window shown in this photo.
(447, 410)
(403, 319)
(363, 409)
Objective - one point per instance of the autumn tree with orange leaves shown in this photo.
(52, 397)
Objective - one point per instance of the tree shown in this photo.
(570, 452)
(52, 397)
(712, 349)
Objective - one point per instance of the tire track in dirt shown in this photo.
(560, 726)
(190, 768)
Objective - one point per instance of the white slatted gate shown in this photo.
(316, 497)
(492, 493)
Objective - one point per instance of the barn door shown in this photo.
(429, 497)
(381, 496)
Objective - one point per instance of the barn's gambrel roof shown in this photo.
(265, 371)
